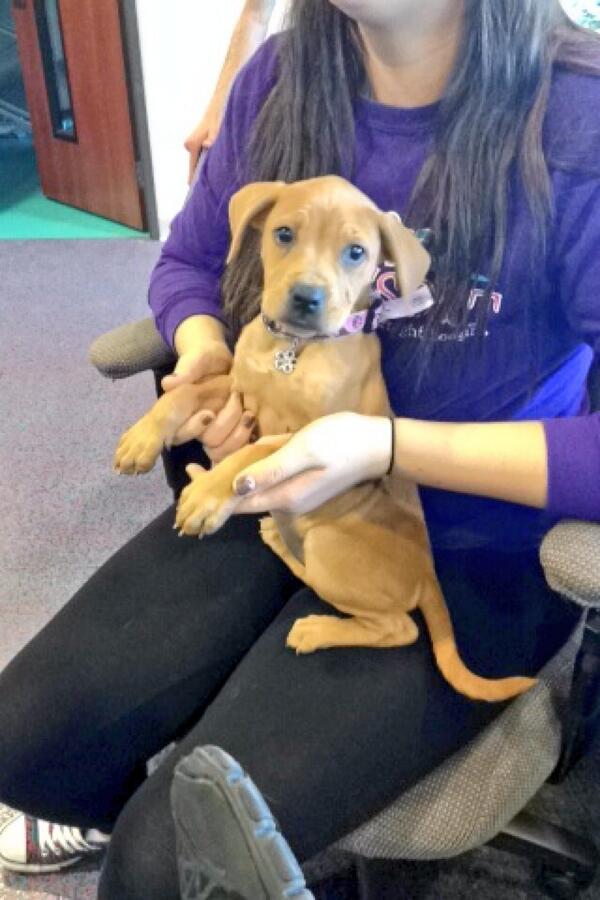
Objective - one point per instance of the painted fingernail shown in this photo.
(245, 486)
(248, 421)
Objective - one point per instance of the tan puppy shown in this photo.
(367, 551)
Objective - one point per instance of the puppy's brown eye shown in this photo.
(283, 236)
(353, 254)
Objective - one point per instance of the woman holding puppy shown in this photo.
(476, 120)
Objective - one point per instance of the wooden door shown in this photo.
(73, 61)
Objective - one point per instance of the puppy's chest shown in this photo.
(320, 384)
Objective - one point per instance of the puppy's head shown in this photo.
(322, 241)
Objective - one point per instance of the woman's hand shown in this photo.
(212, 358)
(200, 342)
(228, 430)
(319, 462)
(231, 429)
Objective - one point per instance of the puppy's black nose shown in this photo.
(306, 299)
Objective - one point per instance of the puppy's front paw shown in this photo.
(205, 504)
(138, 448)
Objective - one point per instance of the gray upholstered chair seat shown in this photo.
(570, 555)
(471, 797)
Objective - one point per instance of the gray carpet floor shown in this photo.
(63, 512)
(62, 509)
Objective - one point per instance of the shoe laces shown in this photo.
(60, 839)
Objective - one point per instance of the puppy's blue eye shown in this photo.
(353, 254)
(283, 236)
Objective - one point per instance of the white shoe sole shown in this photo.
(38, 868)
(227, 839)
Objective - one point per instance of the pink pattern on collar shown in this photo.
(360, 320)
(355, 322)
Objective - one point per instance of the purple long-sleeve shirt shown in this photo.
(543, 327)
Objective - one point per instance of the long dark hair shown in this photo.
(489, 122)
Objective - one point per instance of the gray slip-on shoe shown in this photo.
(228, 844)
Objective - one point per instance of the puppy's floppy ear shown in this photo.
(250, 207)
(400, 246)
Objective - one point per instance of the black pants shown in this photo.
(180, 639)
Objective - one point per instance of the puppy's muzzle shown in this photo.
(305, 304)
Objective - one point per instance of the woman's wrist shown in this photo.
(380, 436)
(195, 331)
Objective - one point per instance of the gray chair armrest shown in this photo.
(130, 349)
(570, 556)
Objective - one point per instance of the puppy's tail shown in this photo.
(437, 617)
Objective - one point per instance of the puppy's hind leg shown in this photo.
(321, 632)
(272, 538)
(369, 595)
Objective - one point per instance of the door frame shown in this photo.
(137, 105)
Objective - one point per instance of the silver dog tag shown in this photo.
(285, 360)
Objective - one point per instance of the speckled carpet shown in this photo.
(63, 512)
(63, 509)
